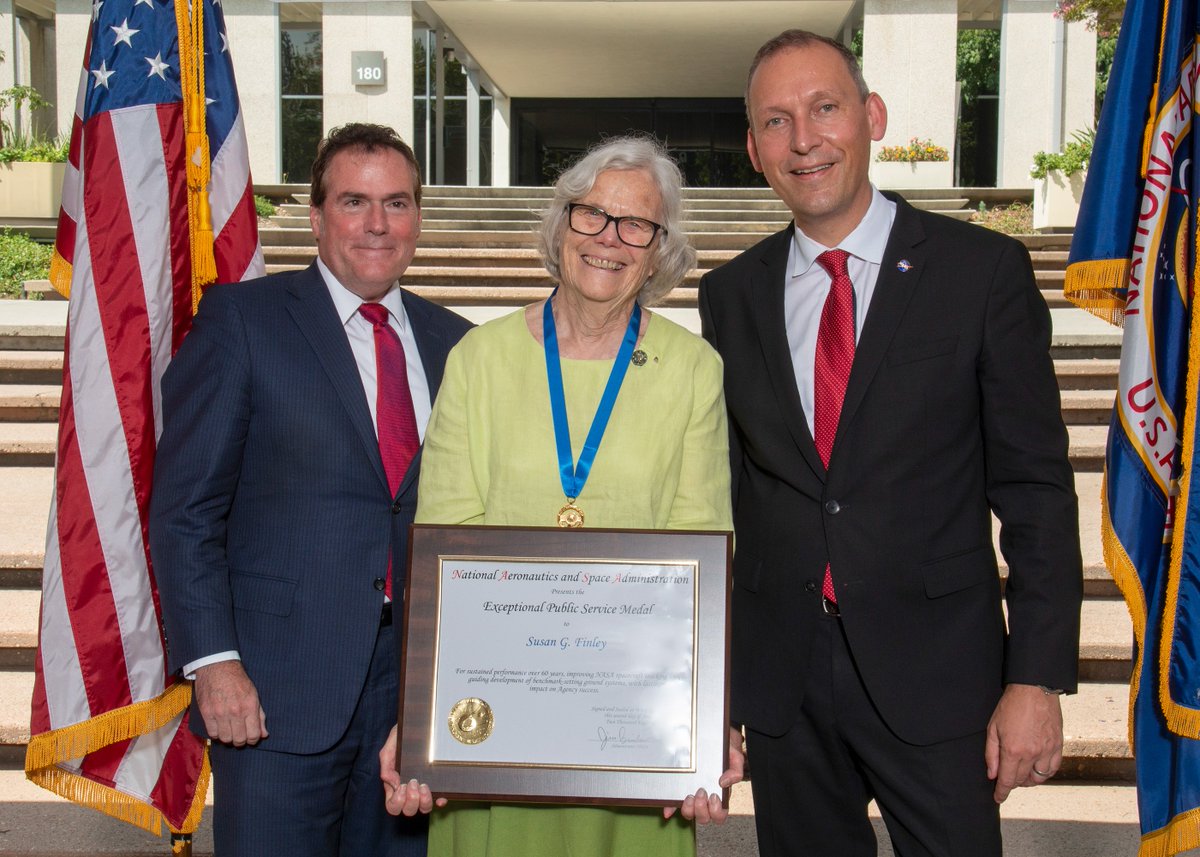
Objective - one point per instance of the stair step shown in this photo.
(1105, 647)
(1066, 819)
(478, 276)
(1095, 746)
(38, 403)
(1087, 374)
(31, 367)
(1087, 407)
(1049, 260)
(29, 402)
(32, 444)
(27, 444)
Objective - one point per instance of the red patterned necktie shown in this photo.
(395, 420)
(831, 371)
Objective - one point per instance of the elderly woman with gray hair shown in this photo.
(518, 398)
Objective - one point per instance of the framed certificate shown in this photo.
(580, 666)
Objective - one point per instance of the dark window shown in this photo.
(706, 135)
(301, 110)
(455, 126)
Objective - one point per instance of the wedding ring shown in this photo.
(1043, 774)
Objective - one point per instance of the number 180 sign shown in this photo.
(368, 68)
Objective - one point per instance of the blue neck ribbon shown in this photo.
(575, 475)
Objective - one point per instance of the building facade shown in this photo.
(502, 92)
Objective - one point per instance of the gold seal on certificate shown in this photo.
(570, 515)
(471, 721)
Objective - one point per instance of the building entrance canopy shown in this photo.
(628, 48)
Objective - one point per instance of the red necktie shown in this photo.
(831, 371)
(395, 420)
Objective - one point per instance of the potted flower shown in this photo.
(1058, 183)
(919, 163)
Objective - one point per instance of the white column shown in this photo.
(472, 127)
(72, 19)
(909, 51)
(8, 66)
(252, 29)
(37, 70)
(1079, 80)
(1037, 107)
(379, 25)
(501, 156)
(439, 109)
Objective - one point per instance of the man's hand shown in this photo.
(704, 808)
(1024, 739)
(402, 798)
(229, 705)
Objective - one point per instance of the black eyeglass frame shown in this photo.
(608, 218)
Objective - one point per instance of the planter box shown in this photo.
(891, 175)
(1056, 200)
(31, 190)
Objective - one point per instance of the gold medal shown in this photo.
(570, 515)
(471, 721)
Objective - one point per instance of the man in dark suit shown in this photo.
(885, 398)
(285, 483)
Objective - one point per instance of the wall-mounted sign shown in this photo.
(368, 68)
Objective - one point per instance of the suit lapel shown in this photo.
(313, 311)
(767, 297)
(893, 290)
(431, 340)
(433, 348)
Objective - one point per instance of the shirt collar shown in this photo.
(347, 303)
(867, 242)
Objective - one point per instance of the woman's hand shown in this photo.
(402, 798)
(704, 808)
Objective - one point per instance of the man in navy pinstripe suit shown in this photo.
(273, 526)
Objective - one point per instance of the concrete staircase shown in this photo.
(483, 267)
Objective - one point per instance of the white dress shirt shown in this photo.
(361, 335)
(808, 284)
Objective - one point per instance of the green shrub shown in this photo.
(263, 206)
(21, 259)
(1014, 219)
(1073, 158)
(35, 151)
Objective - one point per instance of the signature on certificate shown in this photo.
(620, 739)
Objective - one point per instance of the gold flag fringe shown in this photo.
(1181, 719)
(191, 74)
(99, 797)
(197, 809)
(1127, 580)
(1181, 834)
(60, 274)
(47, 750)
(1095, 285)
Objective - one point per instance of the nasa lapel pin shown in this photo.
(904, 266)
(639, 358)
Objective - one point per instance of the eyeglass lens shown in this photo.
(634, 231)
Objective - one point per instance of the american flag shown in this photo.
(109, 724)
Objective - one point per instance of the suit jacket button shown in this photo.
(832, 507)
(396, 508)
(810, 586)
(379, 584)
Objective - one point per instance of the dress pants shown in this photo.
(812, 784)
(321, 805)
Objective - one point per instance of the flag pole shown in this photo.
(181, 844)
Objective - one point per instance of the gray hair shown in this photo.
(673, 256)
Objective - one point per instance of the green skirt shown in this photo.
(523, 830)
